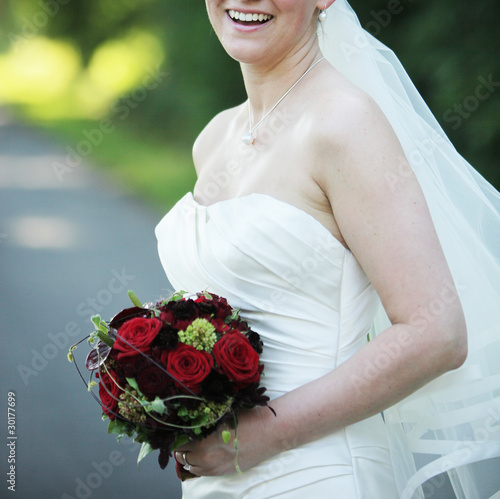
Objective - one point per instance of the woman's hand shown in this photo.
(212, 456)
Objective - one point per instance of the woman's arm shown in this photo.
(384, 219)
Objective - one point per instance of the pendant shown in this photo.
(248, 139)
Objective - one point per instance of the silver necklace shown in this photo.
(249, 138)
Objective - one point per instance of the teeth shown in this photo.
(240, 16)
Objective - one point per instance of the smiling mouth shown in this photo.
(249, 19)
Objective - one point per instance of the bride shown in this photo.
(323, 210)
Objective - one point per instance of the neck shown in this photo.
(266, 84)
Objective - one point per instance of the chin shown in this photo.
(246, 54)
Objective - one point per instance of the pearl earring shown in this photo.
(322, 15)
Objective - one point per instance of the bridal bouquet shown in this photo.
(174, 371)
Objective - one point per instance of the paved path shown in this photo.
(70, 246)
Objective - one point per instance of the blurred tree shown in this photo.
(203, 79)
(449, 49)
(91, 23)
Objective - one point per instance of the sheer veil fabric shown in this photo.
(453, 424)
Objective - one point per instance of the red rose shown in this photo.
(109, 392)
(237, 359)
(220, 326)
(138, 332)
(189, 366)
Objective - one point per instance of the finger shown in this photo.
(182, 457)
(183, 474)
(187, 447)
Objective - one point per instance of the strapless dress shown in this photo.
(312, 304)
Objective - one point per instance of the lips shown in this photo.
(249, 18)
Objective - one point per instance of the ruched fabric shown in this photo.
(313, 306)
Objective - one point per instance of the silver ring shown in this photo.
(187, 466)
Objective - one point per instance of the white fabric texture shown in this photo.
(313, 306)
(453, 424)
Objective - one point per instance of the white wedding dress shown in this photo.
(312, 304)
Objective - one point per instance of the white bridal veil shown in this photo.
(453, 424)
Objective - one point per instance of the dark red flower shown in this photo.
(205, 306)
(255, 341)
(179, 314)
(217, 387)
(214, 306)
(220, 326)
(167, 337)
(127, 367)
(125, 315)
(223, 308)
(236, 358)
(239, 325)
(153, 381)
(167, 316)
(184, 309)
(189, 366)
(109, 393)
(138, 332)
(182, 324)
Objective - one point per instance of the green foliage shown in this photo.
(181, 439)
(449, 48)
(133, 298)
(226, 436)
(156, 405)
(145, 450)
(101, 331)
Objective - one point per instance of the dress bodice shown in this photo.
(295, 283)
(312, 304)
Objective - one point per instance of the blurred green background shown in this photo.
(129, 84)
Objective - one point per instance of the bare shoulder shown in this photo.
(355, 145)
(210, 137)
(350, 125)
